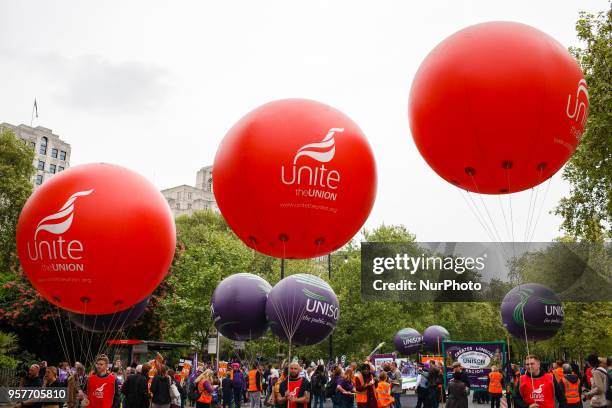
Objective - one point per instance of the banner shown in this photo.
(476, 359)
(379, 360)
(409, 373)
(437, 359)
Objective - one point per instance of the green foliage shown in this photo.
(16, 169)
(587, 211)
(8, 346)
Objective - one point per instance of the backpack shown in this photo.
(194, 392)
(330, 388)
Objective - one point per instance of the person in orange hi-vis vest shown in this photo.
(365, 386)
(383, 392)
(570, 387)
(255, 385)
(557, 370)
(495, 386)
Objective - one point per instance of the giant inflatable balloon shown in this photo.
(533, 308)
(238, 306)
(302, 308)
(96, 239)
(295, 178)
(408, 341)
(433, 336)
(109, 322)
(498, 107)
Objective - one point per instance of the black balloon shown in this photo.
(109, 322)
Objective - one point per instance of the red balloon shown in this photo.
(96, 239)
(498, 107)
(295, 178)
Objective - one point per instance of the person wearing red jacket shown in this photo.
(536, 388)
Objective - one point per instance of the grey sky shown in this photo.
(154, 86)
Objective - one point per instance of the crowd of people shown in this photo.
(295, 385)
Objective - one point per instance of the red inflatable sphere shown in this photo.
(295, 178)
(96, 239)
(498, 107)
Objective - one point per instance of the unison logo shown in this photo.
(312, 178)
(316, 303)
(57, 248)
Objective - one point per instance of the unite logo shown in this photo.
(314, 177)
(580, 108)
(537, 395)
(57, 249)
(99, 393)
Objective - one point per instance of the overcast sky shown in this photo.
(154, 86)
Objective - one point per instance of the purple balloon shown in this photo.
(109, 322)
(303, 308)
(541, 307)
(408, 341)
(433, 336)
(238, 306)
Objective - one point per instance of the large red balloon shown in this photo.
(498, 107)
(295, 178)
(96, 239)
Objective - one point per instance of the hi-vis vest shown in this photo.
(360, 396)
(558, 373)
(383, 395)
(572, 391)
(495, 380)
(253, 386)
(205, 396)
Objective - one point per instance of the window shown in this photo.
(189, 196)
(33, 145)
(41, 165)
(52, 168)
(189, 206)
(60, 168)
(178, 206)
(54, 153)
(178, 195)
(39, 179)
(209, 185)
(43, 146)
(62, 155)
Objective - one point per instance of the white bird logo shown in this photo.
(328, 143)
(65, 214)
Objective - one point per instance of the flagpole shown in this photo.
(34, 109)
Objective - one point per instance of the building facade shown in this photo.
(184, 199)
(52, 155)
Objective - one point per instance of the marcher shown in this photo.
(536, 388)
(295, 389)
(570, 388)
(495, 386)
(365, 386)
(102, 388)
(255, 386)
(395, 379)
(457, 391)
(160, 389)
(599, 382)
(135, 390)
(383, 392)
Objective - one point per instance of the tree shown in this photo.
(8, 346)
(16, 171)
(587, 211)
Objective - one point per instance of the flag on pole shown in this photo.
(194, 369)
(35, 107)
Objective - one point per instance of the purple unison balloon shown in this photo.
(433, 336)
(541, 307)
(303, 308)
(109, 322)
(238, 306)
(408, 341)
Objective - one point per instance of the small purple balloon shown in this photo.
(408, 341)
(238, 306)
(302, 308)
(109, 322)
(541, 307)
(433, 336)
